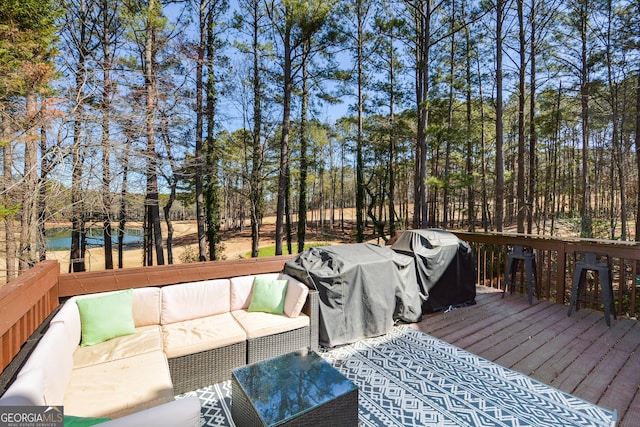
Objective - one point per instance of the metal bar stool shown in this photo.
(527, 256)
(592, 261)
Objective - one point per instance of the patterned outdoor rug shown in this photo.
(408, 378)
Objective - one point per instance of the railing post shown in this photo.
(561, 274)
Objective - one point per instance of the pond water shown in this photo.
(59, 238)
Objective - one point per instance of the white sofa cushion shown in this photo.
(120, 387)
(295, 298)
(146, 339)
(70, 317)
(193, 300)
(204, 333)
(27, 389)
(54, 357)
(146, 306)
(258, 324)
(183, 412)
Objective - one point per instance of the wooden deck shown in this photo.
(578, 354)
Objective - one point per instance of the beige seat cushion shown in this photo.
(146, 339)
(121, 387)
(205, 333)
(258, 324)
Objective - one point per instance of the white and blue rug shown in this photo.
(408, 378)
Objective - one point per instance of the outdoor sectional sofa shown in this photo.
(185, 336)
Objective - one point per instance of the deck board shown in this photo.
(580, 354)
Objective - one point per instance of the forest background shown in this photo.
(338, 119)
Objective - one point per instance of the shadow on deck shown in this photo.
(578, 354)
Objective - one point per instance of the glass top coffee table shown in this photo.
(293, 389)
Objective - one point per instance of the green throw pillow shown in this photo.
(268, 295)
(71, 421)
(106, 317)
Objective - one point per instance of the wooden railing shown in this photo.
(555, 263)
(25, 303)
(28, 300)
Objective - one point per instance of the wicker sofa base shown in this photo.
(197, 370)
(277, 344)
(194, 371)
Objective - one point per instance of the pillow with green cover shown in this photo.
(105, 317)
(268, 295)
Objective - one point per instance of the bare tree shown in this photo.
(79, 34)
(199, 159)
(499, 191)
(212, 197)
(294, 23)
(152, 23)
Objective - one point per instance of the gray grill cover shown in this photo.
(444, 266)
(364, 289)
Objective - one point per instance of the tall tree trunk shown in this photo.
(123, 205)
(283, 178)
(471, 209)
(586, 228)
(533, 133)
(361, 11)
(76, 261)
(499, 192)
(392, 137)
(342, 193)
(150, 83)
(448, 142)
(45, 169)
(28, 227)
(167, 218)
(422, 45)
(199, 160)
(255, 183)
(212, 195)
(302, 189)
(107, 55)
(637, 144)
(554, 163)
(521, 203)
(615, 131)
(287, 212)
(486, 217)
(10, 201)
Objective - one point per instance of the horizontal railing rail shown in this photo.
(556, 265)
(71, 284)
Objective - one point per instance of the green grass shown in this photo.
(271, 250)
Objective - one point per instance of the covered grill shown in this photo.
(364, 289)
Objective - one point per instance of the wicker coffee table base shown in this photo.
(339, 412)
